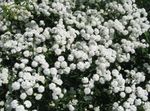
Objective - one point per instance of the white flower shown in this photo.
(61, 58)
(71, 108)
(29, 91)
(115, 72)
(34, 64)
(57, 81)
(25, 61)
(16, 86)
(41, 89)
(23, 96)
(52, 86)
(102, 80)
(26, 84)
(138, 102)
(85, 80)
(122, 94)
(14, 103)
(42, 23)
(58, 51)
(38, 96)
(57, 64)
(63, 64)
(26, 53)
(70, 57)
(53, 71)
(146, 106)
(39, 50)
(20, 108)
(95, 77)
(16, 65)
(57, 91)
(81, 66)
(72, 66)
(78, 40)
(28, 104)
(128, 90)
(97, 108)
(22, 65)
(46, 71)
(27, 76)
(87, 65)
(67, 70)
(87, 90)
(2, 103)
(120, 108)
(55, 97)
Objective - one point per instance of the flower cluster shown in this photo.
(73, 55)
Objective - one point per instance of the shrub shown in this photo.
(74, 55)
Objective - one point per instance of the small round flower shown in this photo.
(87, 90)
(39, 50)
(57, 81)
(72, 66)
(115, 72)
(71, 108)
(61, 95)
(41, 89)
(26, 53)
(61, 58)
(122, 94)
(128, 90)
(16, 86)
(46, 71)
(25, 61)
(120, 108)
(34, 64)
(58, 51)
(45, 65)
(52, 86)
(42, 23)
(16, 65)
(57, 64)
(57, 91)
(115, 105)
(85, 80)
(126, 105)
(70, 57)
(63, 64)
(22, 65)
(138, 102)
(23, 96)
(87, 65)
(67, 70)
(95, 77)
(14, 103)
(38, 96)
(97, 108)
(55, 97)
(102, 80)
(2, 103)
(29, 91)
(27, 104)
(116, 89)
(53, 71)
(20, 108)
(81, 66)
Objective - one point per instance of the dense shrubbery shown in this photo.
(74, 55)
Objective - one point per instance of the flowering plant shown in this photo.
(74, 55)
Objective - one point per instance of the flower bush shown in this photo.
(74, 55)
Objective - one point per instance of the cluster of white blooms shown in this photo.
(4, 76)
(56, 54)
